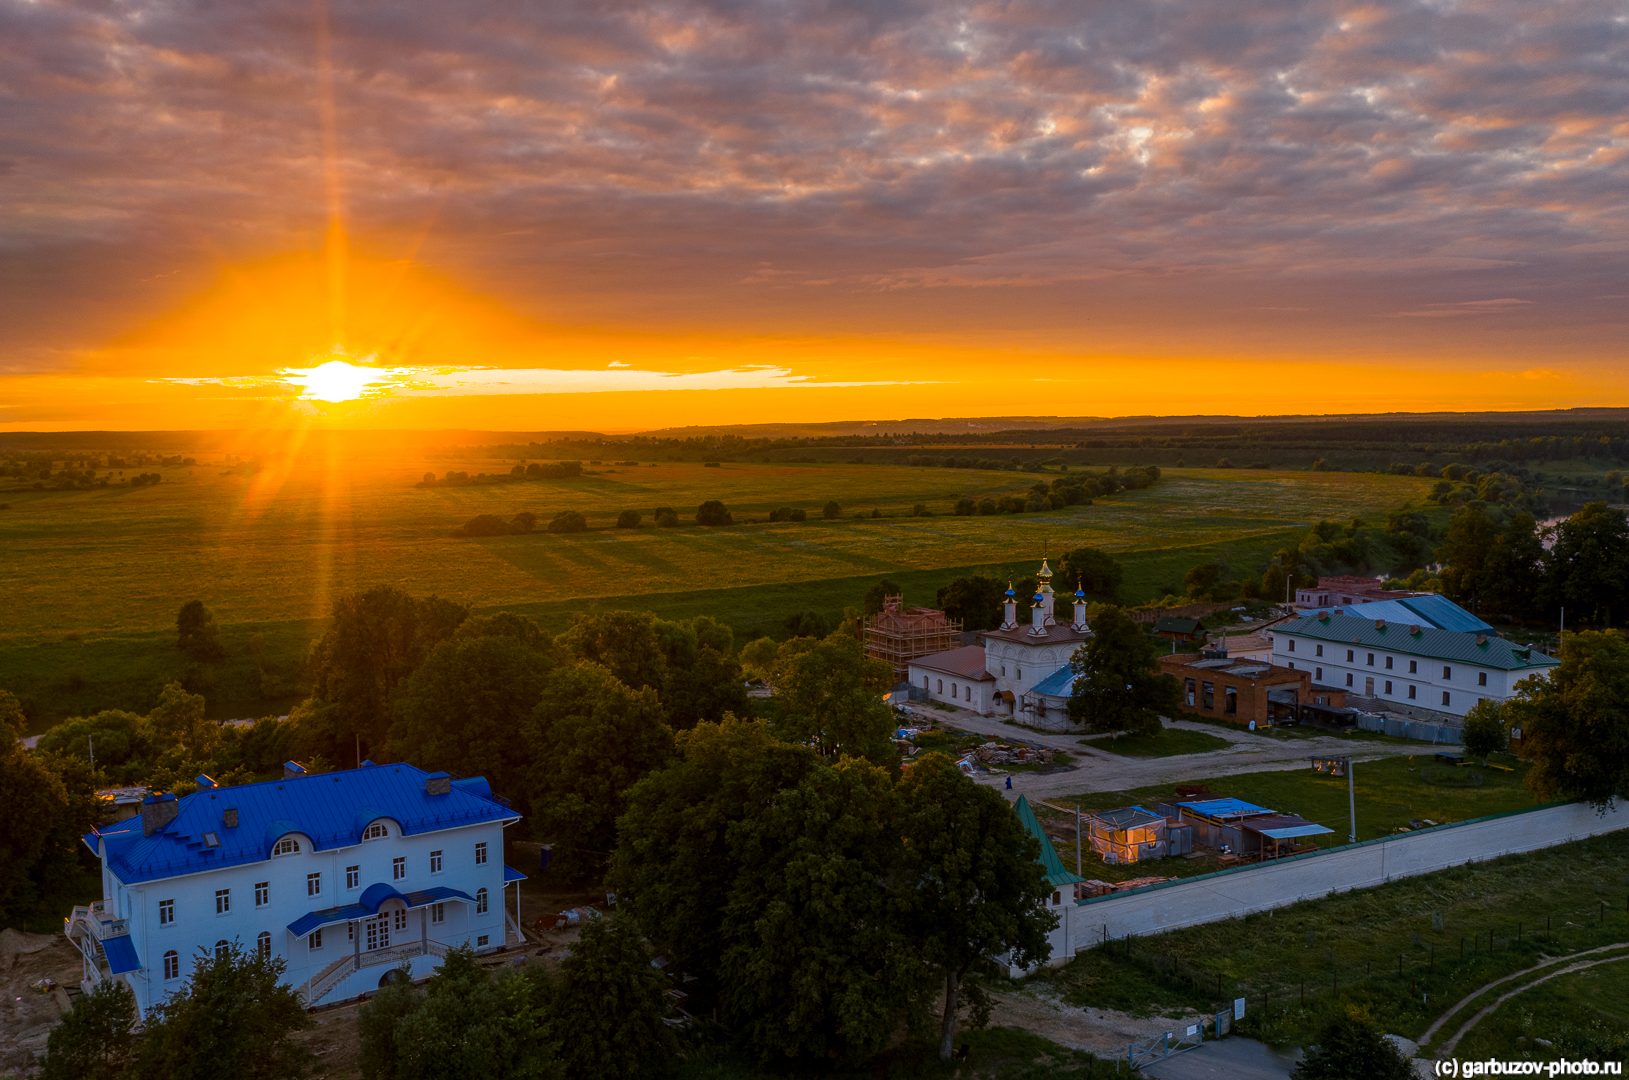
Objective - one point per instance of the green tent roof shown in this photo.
(1056, 875)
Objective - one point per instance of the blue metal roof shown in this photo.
(1431, 610)
(329, 809)
(1060, 683)
(373, 897)
(1224, 808)
(511, 874)
(1290, 832)
(120, 953)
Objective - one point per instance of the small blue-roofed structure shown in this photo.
(1429, 609)
(343, 875)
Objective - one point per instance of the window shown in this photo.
(401, 919)
(938, 686)
(398, 867)
(1292, 665)
(223, 901)
(1292, 644)
(313, 884)
(316, 940)
(1446, 697)
(1348, 678)
(350, 931)
(287, 846)
(1230, 701)
(480, 853)
(1388, 663)
(438, 913)
(1320, 674)
(1388, 686)
(480, 901)
(480, 942)
(353, 877)
(172, 965)
(1371, 659)
(1207, 695)
(222, 949)
(1411, 690)
(377, 831)
(1348, 656)
(166, 912)
(1481, 678)
(1188, 686)
(1447, 672)
(1319, 650)
(1003, 671)
(262, 893)
(1413, 667)
(1018, 673)
(263, 945)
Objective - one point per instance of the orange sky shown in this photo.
(669, 215)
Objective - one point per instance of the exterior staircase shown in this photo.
(324, 981)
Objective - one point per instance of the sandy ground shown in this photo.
(1103, 1032)
(27, 1015)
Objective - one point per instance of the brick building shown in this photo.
(1240, 691)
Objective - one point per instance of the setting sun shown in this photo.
(335, 381)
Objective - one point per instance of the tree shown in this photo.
(830, 697)
(461, 709)
(811, 624)
(674, 861)
(975, 881)
(373, 642)
(975, 600)
(665, 517)
(1203, 581)
(196, 633)
(628, 519)
(1491, 559)
(625, 642)
(609, 1016)
(1096, 571)
(96, 1040)
(1587, 565)
(1118, 685)
(818, 964)
(1483, 729)
(1575, 724)
(713, 512)
(568, 521)
(832, 510)
(588, 741)
(377, 1022)
(877, 593)
(758, 657)
(523, 522)
(1350, 1047)
(235, 1018)
(13, 721)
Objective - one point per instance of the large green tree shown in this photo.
(374, 640)
(1575, 724)
(586, 742)
(196, 633)
(1096, 571)
(688, 664)
(975, 600)
(1587, 566)
(975, 885)
(96, 1040)
(1118, 684)
(610, 1010)
(1491, 560)
(819, 962)
(31, 830)
(1350, 1047)
(830, 696)
(235, 1018)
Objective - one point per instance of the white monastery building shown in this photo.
(1408, 664)
(345, 875)
(1000, 676)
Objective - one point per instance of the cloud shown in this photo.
(1465, 308)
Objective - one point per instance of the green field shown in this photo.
(92, 579)
(1583, 1014)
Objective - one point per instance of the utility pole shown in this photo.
(1351, 803)
(91, 739)
(1077, 839)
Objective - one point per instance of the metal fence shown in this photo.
(1403, 728)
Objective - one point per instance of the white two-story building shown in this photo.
(346, 876)
(1407, 664)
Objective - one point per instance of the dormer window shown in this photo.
(286, 846)
(377, 831)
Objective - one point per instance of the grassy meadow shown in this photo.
(92, 579)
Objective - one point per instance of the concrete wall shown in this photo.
(1245, 890)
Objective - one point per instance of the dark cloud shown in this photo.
(739, 164)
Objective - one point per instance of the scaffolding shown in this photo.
(897, 634)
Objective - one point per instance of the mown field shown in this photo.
(92, 579)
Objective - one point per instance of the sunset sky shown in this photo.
(629, 215)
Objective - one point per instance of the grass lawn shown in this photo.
(1390, 792)
(93, 579)
(1581, 1015)
(1167, 742)
(1395, 949)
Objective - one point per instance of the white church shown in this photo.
(1019, 671)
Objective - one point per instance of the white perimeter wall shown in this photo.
(1242, 891)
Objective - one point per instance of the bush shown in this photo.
(484, 525)
(831, 511)
(966, 507)
(523, 522)
(629, 519)
(713, 512)
(665, 517)
(568, 521)
(921, 510)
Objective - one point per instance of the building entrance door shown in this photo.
(378, 932)
(1368, 686)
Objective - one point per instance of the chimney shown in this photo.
(1414, 630)
(437, 783)
(158, 811)
(1380, 624)
(229, 817)
(291, 769)
(1481, 639)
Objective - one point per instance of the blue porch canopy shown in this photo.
(372, 899)
(120, 953)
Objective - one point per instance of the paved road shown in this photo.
(1103, 771)
(1228, 1059)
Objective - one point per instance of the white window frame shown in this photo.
(481, 901)
(378, 830)
(314, 942)
(223, 901)
(313, 883)
(288, 845)
(263, 944)
(438, 914)
(435, 861)
(398, 868)
(262, 893)
(353, 877)
(172, 965)
(480, 853)
(166, 913)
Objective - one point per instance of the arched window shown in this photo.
(288, 845)
(480, 901)
(172, 965)
(263, 945)
(221, 949)
(377, 831)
